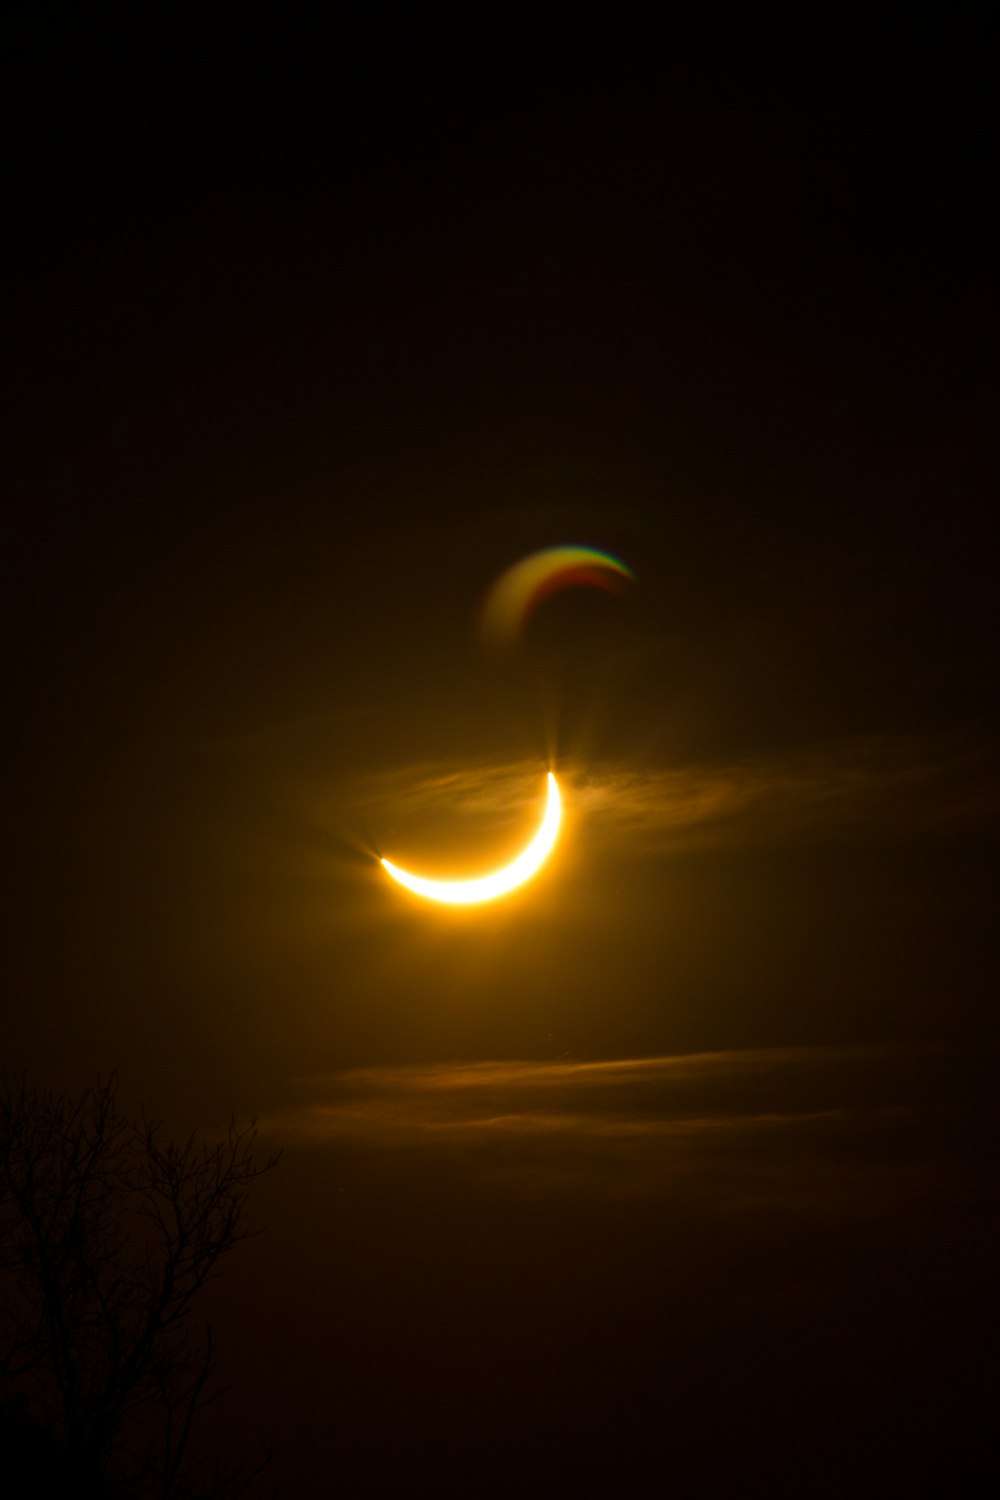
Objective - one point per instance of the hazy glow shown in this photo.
(488, 887)
(519, 591)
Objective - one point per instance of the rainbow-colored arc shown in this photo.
(519, 590)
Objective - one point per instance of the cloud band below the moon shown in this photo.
(734, 1124)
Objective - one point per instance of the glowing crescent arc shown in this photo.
(486, 887)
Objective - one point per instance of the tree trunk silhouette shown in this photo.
(107, 1234)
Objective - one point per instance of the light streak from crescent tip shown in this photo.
(500, 882)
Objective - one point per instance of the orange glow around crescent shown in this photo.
(500, 882)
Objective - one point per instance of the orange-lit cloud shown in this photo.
(614, 1097)
(737, 1127)
(859, 784)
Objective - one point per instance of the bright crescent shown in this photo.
(487, 887)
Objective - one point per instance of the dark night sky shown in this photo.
(674, 1169)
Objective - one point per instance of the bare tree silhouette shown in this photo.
(107, 1234)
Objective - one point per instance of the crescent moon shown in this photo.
(520, 589)
(488, 887)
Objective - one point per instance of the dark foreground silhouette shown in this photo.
(107, 1235)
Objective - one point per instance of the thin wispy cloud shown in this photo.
(613, 1096)
(858, 784)
(854, 783)
(831, 1129)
